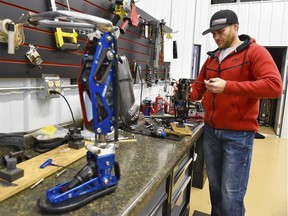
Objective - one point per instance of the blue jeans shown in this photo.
(228, 157)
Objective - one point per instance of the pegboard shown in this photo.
(66, 63)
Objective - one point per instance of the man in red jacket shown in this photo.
(231, 82)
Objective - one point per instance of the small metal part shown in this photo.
(110, 55)
(60, 173)
(108, 38)
(33, 56)
(37, 183)
(133, 127)
(65, 150)
(150, 125)
(127, 140)
(20, 17)
(96, 34)
(123, 138)
(105, 181)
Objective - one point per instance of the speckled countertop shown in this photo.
(144, 165)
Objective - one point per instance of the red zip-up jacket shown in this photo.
(250, 74)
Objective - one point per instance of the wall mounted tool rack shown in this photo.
(66, 63)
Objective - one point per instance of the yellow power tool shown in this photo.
(64, 40)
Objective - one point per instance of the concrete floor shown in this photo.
(267, 188)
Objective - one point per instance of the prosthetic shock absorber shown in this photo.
(181, 100)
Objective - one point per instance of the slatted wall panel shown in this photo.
(66, 63)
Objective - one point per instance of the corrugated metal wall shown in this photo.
(22, 111)
(266, 21)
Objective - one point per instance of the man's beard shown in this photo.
(227, 43)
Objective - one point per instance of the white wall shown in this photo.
(23, 111)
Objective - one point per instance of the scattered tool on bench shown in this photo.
(49, 162)
(37, 183)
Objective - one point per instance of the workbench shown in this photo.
(146, 166)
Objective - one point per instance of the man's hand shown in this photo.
(215, 85)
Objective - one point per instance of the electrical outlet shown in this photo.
(48, 83)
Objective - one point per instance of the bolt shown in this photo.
(37, 183)
(61, 172)
(108, 38)
(105, 181)
(150, 125)
(110, 55)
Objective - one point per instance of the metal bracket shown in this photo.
(33, 56)
(49, 83)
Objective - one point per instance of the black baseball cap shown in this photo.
(221, 19)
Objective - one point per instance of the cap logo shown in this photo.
(219, 21)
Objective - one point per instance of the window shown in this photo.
(195, 61)
(232, 1)
(248, 0)
(222, 1)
